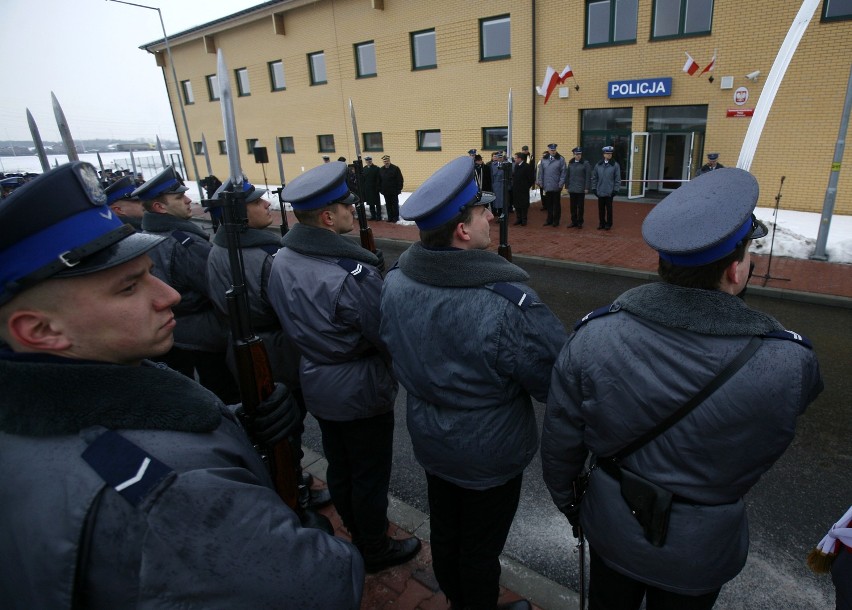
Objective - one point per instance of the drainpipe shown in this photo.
(533, 147)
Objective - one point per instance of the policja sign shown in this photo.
(646, 87)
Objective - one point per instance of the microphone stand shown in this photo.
(767, 276)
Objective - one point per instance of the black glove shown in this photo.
(572, 511)
(276, 418)
(381, 264)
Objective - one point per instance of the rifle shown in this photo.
(366, 234)
(162, 154)
(209, 184)
(504, 249)
(39, 145)
(253, 369)
(581, 546)
(64, 131)
(285, 225)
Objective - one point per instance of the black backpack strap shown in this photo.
(512, 293)
(353, 268)
(125, 466)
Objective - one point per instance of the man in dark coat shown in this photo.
(522, 180)
(370, 183)
(390, 186)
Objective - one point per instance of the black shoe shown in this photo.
(548, 224)
(580, 225)
(572, 225)
(392, 553)
(556, 224)
(607, 228)
(524, 223)
(517, 222)
(521, 604)
(601, 227)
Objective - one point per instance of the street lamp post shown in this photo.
(177, 88)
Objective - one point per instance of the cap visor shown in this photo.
(759, 230)
(127, 249)
(349, 199)
(486, 198)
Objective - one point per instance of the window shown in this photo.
(286, 145)
(611, 21)
(188, 98)
(836, 9)
(276, 75)
(674, 18)
(423, 52)
(198, 147)
(373, 141)
(242, 82)
(213, 87)
(223, 147)
(365, 59)
(316, 65)
(251, 143)
(325, 143)
(495, 41)
(429, 139)
(495, 138)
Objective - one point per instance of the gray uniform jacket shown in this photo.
(606, 178)
(470, 358)
(326, 289)
(181, 262)
(621, 374)
(202, 528)
(496, 170)
(579, 176)
(258, 249)
(551, 173)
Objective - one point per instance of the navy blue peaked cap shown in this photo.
(120, 189)
(167, 182)
(252, 193)
(705, 219)
(319, 187)
(444, 195)
(59, 225)
(712, 156)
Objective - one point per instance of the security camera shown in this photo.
(752, 76)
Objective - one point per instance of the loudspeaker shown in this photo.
(260, 155)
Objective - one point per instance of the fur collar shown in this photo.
(314, 241)
(166, 223)
(709, 312)
(46, 396)
(250, 238)
(458, 268)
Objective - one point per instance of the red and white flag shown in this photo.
(548, 84)
(563, 76)
(690, 67)
(711, 65)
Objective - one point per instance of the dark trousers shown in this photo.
(578, 206)
(605, 211)
(211, 368)
(469, 530)
(375, 209)
(611, 590)
(553, 204)
(359, 454)
(392, 206)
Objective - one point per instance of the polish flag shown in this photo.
(563, 76)
(710, 66)
(690, 67)
(548, 84)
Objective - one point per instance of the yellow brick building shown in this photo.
(430, 80)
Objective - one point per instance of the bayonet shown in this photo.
(101, 163)
(504, 249)
(285, 224)
(64, 131)
(162, 154)
(39, 145)
(133, 163)
(366, 233)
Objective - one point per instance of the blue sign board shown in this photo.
(644, 87)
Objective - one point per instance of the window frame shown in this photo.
(611, 28)
(684, 4)
(824, 13)
(188, 95)
(287, 145)
(486, 21)
(311, 71)
(223, 147)
(325, 147)
(251, 144)
(411, 37)
(198, 148)
(271, 68)
(239, 73)
(422, 134)
(369, 145)
(212, 92)
(358, 72)
(486, 138)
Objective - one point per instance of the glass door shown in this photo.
(638, 164)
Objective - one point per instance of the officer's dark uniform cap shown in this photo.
(120, 189)
(167, 182)
(713, 156)
(444, 195)
(252, 193)
(319, 187)
(705, 219)
(59, 225)
(577, 150)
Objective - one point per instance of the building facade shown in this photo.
(429, 81)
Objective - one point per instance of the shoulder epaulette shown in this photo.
(512, 293)
(395, 267)
(353, 268)
(125, 466)
(789, 335)
(183, 238)
(597, 313)
(270, 249)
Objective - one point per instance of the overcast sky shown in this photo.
(87, 53)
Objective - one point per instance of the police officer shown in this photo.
(201, 337)
(370, 186)
(390, 186)
(711, 165)
(121, 201)
(551, 180)
(631, 365)
(606, 180)
(471, 343)
(578, 182)
(125, 484)
(325, 289)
